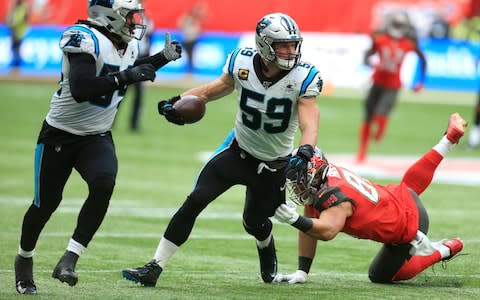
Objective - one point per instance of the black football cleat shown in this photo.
(65, 269)
(146, 275)
(268, 262)
(26, 287)
(24, 276)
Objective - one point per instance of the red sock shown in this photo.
(415, 265)
(364, 136)
(419, 176)
(381, 126)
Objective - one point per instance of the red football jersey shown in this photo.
(386, 214)
(391, 53)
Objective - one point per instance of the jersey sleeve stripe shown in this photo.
(232, 62)
(86, 30)
(311, 75)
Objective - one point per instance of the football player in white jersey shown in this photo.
(276, 95)
(99, 62)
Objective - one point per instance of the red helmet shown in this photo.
(303, 192)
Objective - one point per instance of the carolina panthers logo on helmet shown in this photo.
(262, 25)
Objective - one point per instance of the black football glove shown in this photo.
(298, 164)
(165, 108)
(139, 73)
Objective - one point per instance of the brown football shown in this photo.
(191, 108)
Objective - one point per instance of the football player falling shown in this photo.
(337, 200)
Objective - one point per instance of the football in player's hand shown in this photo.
(190, 108)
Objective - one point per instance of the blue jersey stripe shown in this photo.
(226, 143)
(38, 165)
(86, 30)
(311, 75)
(228, 140)
(232, 62)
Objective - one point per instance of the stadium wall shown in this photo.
(344, 16)
(452, 65)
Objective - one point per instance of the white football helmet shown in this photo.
(114, 15)
(398, 24)
(278, 27)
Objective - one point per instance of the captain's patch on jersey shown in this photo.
(243, 74)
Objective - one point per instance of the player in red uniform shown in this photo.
(337, 200)
(391, 45)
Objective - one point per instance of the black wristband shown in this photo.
(304, 263)
(303, 224)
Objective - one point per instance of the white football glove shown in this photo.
(298, 277)
(287, 213)
(171, 50)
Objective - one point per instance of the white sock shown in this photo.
(265, 242)
(443, 146)
(25, 254)
(444, 251)
(165, 251)
(75, 247)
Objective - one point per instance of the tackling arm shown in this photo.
(330, 222)
(326, 227)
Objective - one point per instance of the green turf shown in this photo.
(156, 170)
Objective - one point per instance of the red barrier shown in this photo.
(240, 16)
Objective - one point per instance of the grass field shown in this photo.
(156, 170)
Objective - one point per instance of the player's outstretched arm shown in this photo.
(213, 90)
(85, 85)
(171, 51)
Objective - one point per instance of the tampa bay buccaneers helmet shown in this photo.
(122, 17)
(398, 24)
(278, 27)
(303, 192)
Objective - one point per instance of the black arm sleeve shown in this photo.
(158, 60)
(84, 84)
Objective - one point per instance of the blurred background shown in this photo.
(336, 35)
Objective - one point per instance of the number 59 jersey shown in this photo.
(267, 118)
